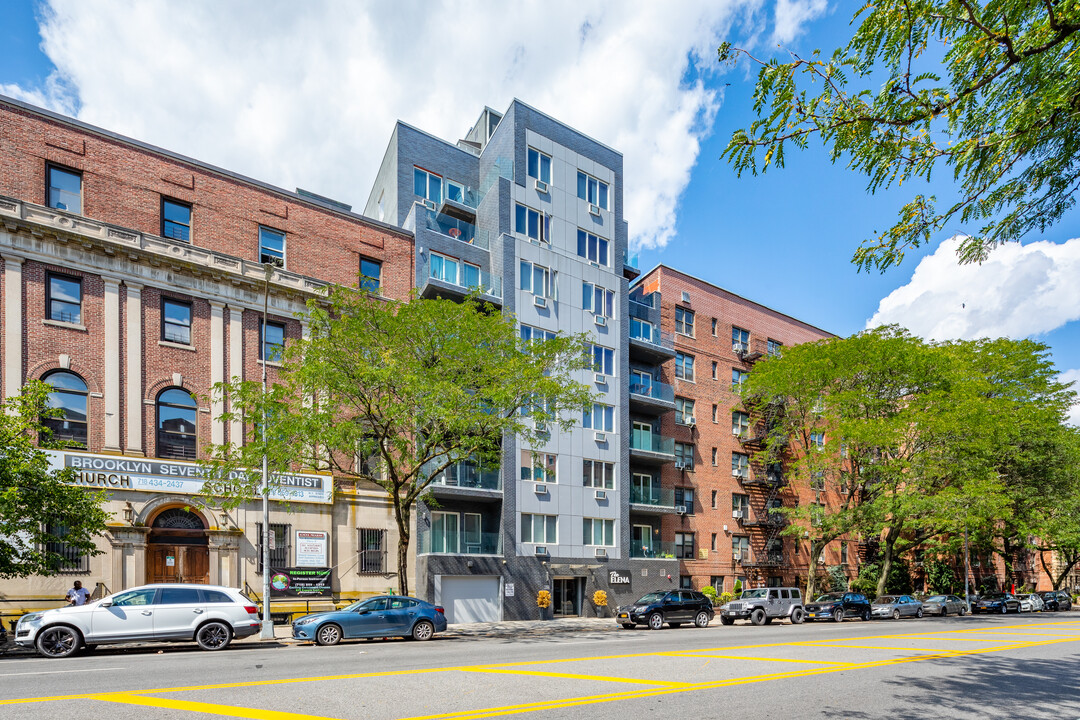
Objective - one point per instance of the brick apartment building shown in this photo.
(132, 281)
(722, 530)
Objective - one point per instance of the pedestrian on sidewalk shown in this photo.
(78, 595)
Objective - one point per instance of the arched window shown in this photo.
(176, 412)
(69, 395)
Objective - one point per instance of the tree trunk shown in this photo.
(1071, 560)
(811, 574)
(886, 558)
(403, 564)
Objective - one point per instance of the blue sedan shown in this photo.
(377, 617)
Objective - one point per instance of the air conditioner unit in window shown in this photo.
(600, 495)
(821, 560)
(541, 550)
(737, 473)
(691, 422)
(738, 347)
(601, 552)
(737, 514)
(600, 379)
(680, 465)
(736, 556)
(541, 186)
(541, 489)
(680, 509)
(600, 320)
(601, 437)
(594, 209)
(539, 301)
(736, 431)
(429, 204)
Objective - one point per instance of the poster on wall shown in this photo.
(311, 548)
(300, 582)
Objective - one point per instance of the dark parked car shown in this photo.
(1057, 600)
(838, 607)
(383, 616)
(673, 607)
(997, 602)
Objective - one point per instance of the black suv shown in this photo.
(838, 606)
(1057, 600)
(673, 607)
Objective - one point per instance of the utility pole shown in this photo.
(967, 564)
(266, 628)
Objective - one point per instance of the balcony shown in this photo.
(423, 218)
(462, 204)
(650, 344)
(652, 500)
(466, 479)
(653, 550)
(651, 448)
(651, 396)
(451, 278)
(767, 479)
(631, 268)
(489, 543)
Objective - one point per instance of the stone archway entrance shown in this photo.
(178, 547)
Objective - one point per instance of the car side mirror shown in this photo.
(363, 611)
(106, 603)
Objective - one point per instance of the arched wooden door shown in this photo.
(178, 548)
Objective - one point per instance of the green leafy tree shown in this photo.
(40, 507)
(988, 90)
(393, 394)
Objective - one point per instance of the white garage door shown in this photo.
(469, 599)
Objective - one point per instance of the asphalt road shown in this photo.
(974, 667)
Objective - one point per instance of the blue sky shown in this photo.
(310, 101)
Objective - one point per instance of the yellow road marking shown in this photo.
(205, 708)
(572, 676)
(706, 654)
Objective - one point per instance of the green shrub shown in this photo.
(738, 588)
(725, 597)
(710, 592)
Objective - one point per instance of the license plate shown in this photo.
(732, 612)
(623, 615)
(813, 614)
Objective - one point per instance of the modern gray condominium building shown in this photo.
(531, 211)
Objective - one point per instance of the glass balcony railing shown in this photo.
(465, 276)
(653, 389)
(652, 550)
(488, 543)
(653, 496)
(466, 197)
(469, 475)
(661, 338)
(648, 300)
(651, 442)
(630, 259)
(452, 227)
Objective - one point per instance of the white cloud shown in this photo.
(1073, 376)
(792, 15)
(1020, 291)
(308, 96)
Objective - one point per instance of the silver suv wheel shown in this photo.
(213, 636)
(656, 621)
(58, 641)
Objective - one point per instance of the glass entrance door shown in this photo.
(567, 600)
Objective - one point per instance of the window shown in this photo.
(63, 298)
(598, 532)
(531, 334)
(444, 268)
(714, 456)
(592, 247)
(740, 465)
(176, 321)
(738, 377)
(472, 534)
(685, 498)
(531, 223)
(539, 166)
(539, 528)
(774, 348)
(427, 185)
(538, 280)
(843, 553)
(134, 598)
(179, 596)
(686, 582)
(65, 189)
(684, 455)
(684, 411)
(715, 411)
(444, 532)
(279, 546)
(592, 191)
(176, 413)
(69, 396)
(712, 543)
(175, 220)
(817, 440)
(715, 365)
(456, 191)
(714, 492)
(684, 366)
(599, 417)
(740, 339)
(371, 544)
(740, 423)
(740, 506)
(64, 558)
(598, 474)
(603, 360)
(271, 246)
(717, 581)
(740, 547)
(598, 300)
(684, 321)
(684, 546)
(714, 327)
(641, 329)
(539, 467)
(271, 341)
(370, 275)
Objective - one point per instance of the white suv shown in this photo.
(210, 615)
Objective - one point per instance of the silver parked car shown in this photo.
(1031, 603)
(207, 614)
(944, 605)
(896, 607)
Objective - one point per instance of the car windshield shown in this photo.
(354, 606)
(885, 600)
(759, 593)
(993, 596)
(829, 597)
(651, 598)
(937, 598)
